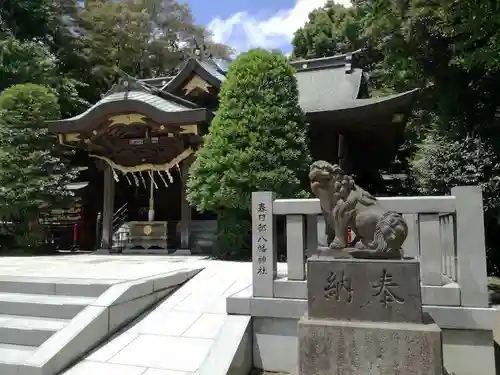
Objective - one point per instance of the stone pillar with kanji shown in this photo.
(263, 244)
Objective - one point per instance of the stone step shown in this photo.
(40, 305)
(14, 354)
(47, 285)
(28, 330)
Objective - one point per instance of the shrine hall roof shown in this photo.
(396, 99)
(333, 84)
(205, 69)
(327, 89)
(159, 109)
(212, 68)
(153, 100)
(135, 96)
(325, 85)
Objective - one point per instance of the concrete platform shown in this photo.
(188, 333)
(91, 268)
(53, 310)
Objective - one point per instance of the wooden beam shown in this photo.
(185, 223)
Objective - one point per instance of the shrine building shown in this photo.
(144, 134)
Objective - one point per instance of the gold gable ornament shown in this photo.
(197, 83)
(189, 129)
(127, 119)
(72, 137)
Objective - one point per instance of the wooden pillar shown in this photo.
(108, 208)
(185, 207)
(341, 151)
(151, 211)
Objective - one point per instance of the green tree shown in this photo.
(32, 62)
(257, 141)
(450, 51)
(90, 39)
(441, 163)
(145, 38)
(447, 50)
(332, 29)
(52, 25)
(36, 19)
(33, 174)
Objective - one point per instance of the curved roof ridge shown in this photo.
(176, 99)
(324, 62)
(208, 71)
(146, 80)
(332, 106)
(135, 84)
(147, 97)
(154, 106)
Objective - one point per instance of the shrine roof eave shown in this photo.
(96, 114)
(324, 62)
(203, 69)
(360, 110)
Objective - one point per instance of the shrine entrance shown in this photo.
(145, 144)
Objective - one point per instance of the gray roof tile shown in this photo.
(326, 89)
(153, 100)
(214, 70)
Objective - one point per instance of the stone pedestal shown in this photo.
(365, 317)
(328, 347)
(364, 289)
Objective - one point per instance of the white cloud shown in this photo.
(243, 31)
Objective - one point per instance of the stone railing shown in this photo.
(445, 233)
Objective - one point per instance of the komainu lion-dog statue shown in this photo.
(379, 233)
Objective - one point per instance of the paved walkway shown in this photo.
(175, 338)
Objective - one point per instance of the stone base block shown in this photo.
(364, 289)
(329, 347)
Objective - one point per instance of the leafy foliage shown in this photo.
(32, 62)
(257, 141)
(330, 30)
(440, 164)
(72, 49)
(32, 174)
(145, 38)
(33, 18)
(233, 235)
(449, 49)
(91, 39)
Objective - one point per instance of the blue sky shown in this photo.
(245, 24)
